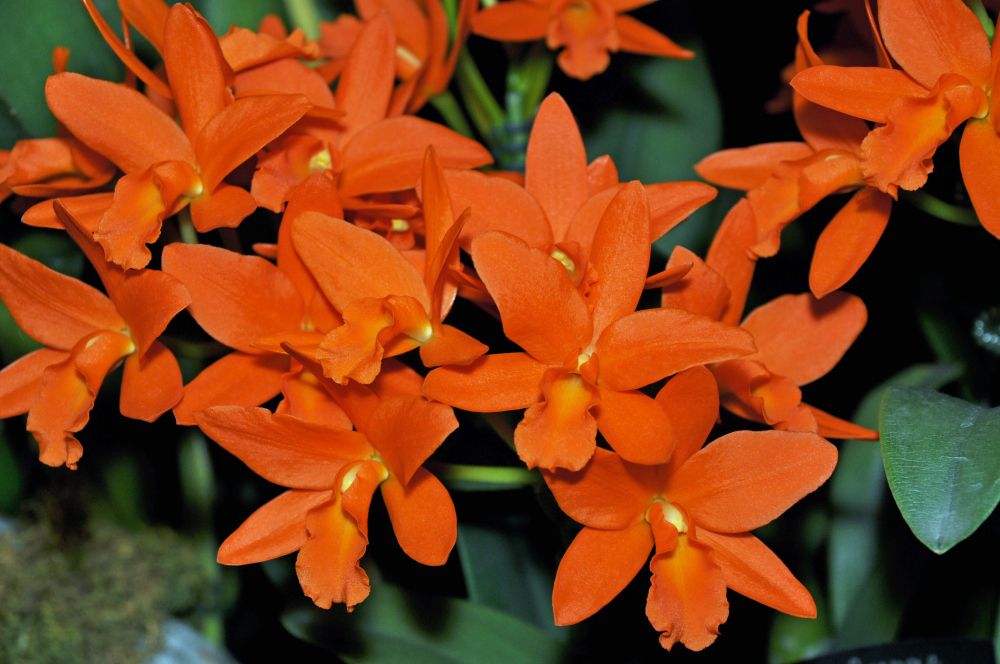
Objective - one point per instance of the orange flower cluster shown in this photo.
(378, 210)
(935, 72)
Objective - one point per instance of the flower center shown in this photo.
(671, 515)
(566, 261)
(400, 226)
(320, 161)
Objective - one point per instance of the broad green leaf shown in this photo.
(35, 27)
(856, 492)
(393, 625)
(503, 570)
(661, 138)
(242, 13)
(942, 460)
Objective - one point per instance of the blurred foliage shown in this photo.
(102, 596)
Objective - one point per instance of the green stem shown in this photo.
(482, 478)
(945, 211)
(980, 11)
(304, 14)
(482, 107)
(527, 80)
(446, 104)
(184, 224)
(198, 492)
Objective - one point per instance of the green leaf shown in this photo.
(674, 123)
(393, 625)
(11, 484)
(35, 27)
(795, 639)
(503, 570)
(243, 13)
(942, 460)
(856, 492)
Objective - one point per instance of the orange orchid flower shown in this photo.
(167, 167)
(425, 61)
(563, 198)
(695, 514)
(86, 335)
(799, 339)
(947, 78)
(586, 354)
(251, 305)
(331, 474)
(785, 180)
(388, 307)
(587, 30)
(370, 149)
(46, 167)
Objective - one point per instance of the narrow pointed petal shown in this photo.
(848, 240)
(282, 449)
(829, 426)
(351, 263)
(236, 299)
(406, 430)
(747, 168)
(274, 530)
(687, 599)
(141, 135)
(802, 338)
(980, 159)
(560, 432)
(635, 426)
(198, 73)
(701, 290)
(868, 93)
(366, 82)
(387, 155)
(655, 343)
(236, 379)
(929, 38)
(518, 20)
(151, 385)
(21, 379)
(637, 37)
(765, 472)
(154, 83)
(540, 308)
(423, 517)
(241, 130)
(491, 384)
(752, 569)
(608, 494)
(556, 164)
(670, 203)
(691, 402)
(619, 257)
(499, 205)
(596, 567)
(87, 210)
(51, 308)
(149, 18)
(731, 257)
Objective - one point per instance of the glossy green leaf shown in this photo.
(393, 625)
(36, 27)
(503, 570)
(856, 492)
(675, 122)
(243, 13)
(942, 460)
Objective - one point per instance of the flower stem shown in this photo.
(482, 107)
(935, 207)
(980, 11)
(501, 427)
(303, 14)
(184, 224)
(482, 478)
(446, 104)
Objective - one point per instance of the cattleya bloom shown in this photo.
(86, 335)
(331, 474)
(948, 77)
(694, 513)
(388, 307)
(44, 167)
(586, 351)
(786, 179)
(587, 30)
(168, 167)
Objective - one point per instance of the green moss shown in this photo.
(102, 598)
